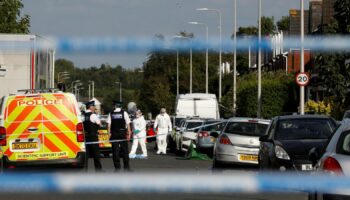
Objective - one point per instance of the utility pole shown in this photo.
(235, 59)
(259, 64)
(302, 88)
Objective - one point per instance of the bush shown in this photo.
(318, 107)
(279, 95)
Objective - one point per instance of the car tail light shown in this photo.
(203, 134)
(331, 165)
(3, 141)
(225, 140)
(80, 132)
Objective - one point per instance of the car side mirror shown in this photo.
(264, 138)
(314, 155)
(214, 134)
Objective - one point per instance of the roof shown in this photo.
(246, 119)
(303, 117)
(197, 96)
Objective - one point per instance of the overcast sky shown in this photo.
(140, 18)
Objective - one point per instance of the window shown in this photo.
(343, 146)
(246, 128)
(308, 128)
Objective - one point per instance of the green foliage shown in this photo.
(267, 25)
(11, 20)
(105, 78)
(342, 16)
(283, 23)
(279, 95)
(250, 30)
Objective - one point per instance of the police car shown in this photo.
(41, 127)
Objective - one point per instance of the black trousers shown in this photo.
(120, 149)
(93, 150)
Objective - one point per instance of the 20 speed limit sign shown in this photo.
(302, 79)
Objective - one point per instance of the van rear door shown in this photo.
(41, 127)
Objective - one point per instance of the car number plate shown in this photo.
(103, 137)
(25, 145)
(306, 167)
(248, 157)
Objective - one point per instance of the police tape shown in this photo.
(174, 182)
(137, 45)
(124, 140)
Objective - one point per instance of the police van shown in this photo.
(41, 128)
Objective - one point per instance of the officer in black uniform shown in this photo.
(119, 128)
(91, 124)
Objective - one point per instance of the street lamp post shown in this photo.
(93, 88)
(235, 60)
(190, 40)
(61, 74)
(77, 81)
(220, 28)
(206, 55)
(120, 90)
(259, 63)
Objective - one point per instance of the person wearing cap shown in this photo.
(163, 123)
(119, 128)
(91, 124)
(139, 136)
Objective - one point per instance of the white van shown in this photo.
(200, 105)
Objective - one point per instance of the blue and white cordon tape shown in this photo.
(173, 183)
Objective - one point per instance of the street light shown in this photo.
(76, 86)
(206, 55)
(190, 40)
(61, 74)
(77, 81)
(177, 69)
(259, 62)
(93, 88)
(220, 28)
(235, 60)
(120, 90)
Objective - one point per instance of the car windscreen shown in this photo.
(212, 126)
(309, 128)
(246, 128)
(192, 125)
(178, 121)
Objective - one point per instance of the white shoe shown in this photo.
(132, 156)
(158, 152)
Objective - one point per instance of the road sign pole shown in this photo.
(302, 88)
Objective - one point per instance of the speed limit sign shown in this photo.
(302, 79)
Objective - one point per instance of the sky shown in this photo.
(141, 19)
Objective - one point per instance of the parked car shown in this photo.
(208, 134)
(336, 158)
(238, 143)
(150, 131)
(103, 137)
(189, 134)
(290, 139)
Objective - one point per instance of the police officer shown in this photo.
(91, 125)
(119, 128)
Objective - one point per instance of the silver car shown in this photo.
(239, 142)
(208, 133)
(336, 159)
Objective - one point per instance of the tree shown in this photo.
(244, 31)
(267, 25)
(283, 24)
(342, 16)
(10, 17)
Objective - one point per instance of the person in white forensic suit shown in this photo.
(163, 123)
(139, 135)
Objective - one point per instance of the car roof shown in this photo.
(247, 119)
(303, 117)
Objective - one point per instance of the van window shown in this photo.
(1, 104)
